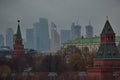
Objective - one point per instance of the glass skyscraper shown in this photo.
(41, 35)
(1, 40)
(9, 37)
(65, 36)
(89, 31)
(75, 31)
(29, 39)
(55, 38)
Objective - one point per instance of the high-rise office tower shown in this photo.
(65, 36)
(55, 38)
(1, 40)
(41, 34)
(75, 31)
(9, 37)
(29, 39)
(89, 31)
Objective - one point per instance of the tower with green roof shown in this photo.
(18, 47)
(106, 65)
(108, 48)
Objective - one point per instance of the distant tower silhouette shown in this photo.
(75, 31)
(9, 37)
(18, 47)
(1, 40)
(55, 39)
(41, 35)
(89, 30)
(29, 39)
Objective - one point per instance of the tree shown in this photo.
(76, 62)
(57, 63)
(5, 69)
(52, 63)
(89, 59)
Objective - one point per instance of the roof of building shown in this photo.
(108, 50)
(88, 40)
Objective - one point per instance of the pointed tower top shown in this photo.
(106, 17)
(108, 48)
(77, 21)
(18, 21)
(18, 34)
(89, 22)
(107, 27)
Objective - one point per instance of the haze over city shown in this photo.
(59, 39)
(62, 12)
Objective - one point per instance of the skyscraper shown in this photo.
(1, 40)
(55, 38)
(89, 31)
(9, 37)
(41, 34)
(29, 39)
(65, 36)
(75, 31)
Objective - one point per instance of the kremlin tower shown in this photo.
(106, 64)
(18, 47)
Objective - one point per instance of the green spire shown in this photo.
(107, 27)
(18, 34)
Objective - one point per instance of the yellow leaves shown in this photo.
(5, 69)
(76, 62)
(74, 58)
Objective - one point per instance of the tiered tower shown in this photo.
(18, 43)
(107, 60)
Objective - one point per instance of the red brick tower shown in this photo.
(18, 44)
(107, 59)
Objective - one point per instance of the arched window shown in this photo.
(108, 38)
(109, 29)
(111, 37)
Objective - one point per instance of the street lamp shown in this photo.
(13, 75)
(24, 74)
(115, 74)
(82, 75)
(4, 75)
(52, 74)
(32, 75)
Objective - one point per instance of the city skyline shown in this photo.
(63, 13)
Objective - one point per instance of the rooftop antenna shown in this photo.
(77, 21)
(89, 22)
(106, 17)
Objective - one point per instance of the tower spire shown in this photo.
(89, 22)
(18, 34)
(77, 21)
(18, 45)
(106, 17)
(107, 27)
(108, 49)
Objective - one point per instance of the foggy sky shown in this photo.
(62, 12)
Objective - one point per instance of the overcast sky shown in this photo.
(62, 12)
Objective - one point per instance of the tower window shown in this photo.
(108, 38)
(111, 37)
